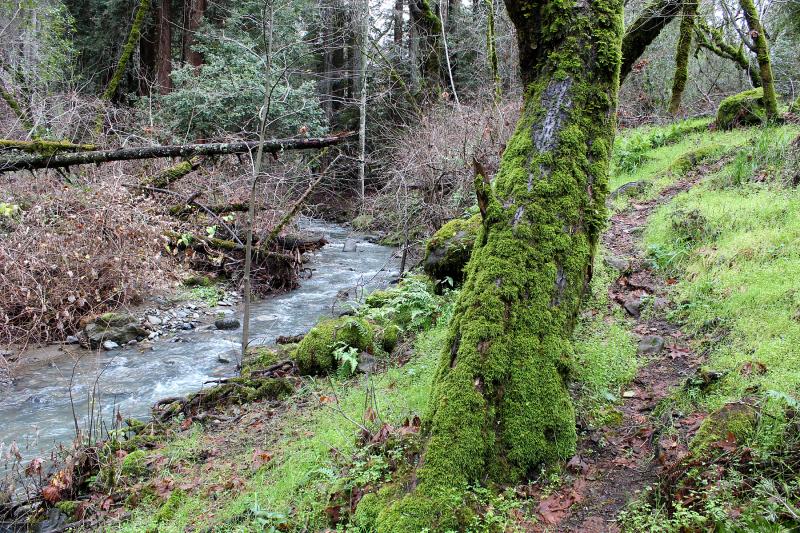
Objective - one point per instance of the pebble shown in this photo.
(153, 320)
(651, 345)
(110, 345)
(72, 339)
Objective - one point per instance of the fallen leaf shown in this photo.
(260, 458)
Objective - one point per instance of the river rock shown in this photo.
(631, 188)
(115, 327)
(110, 345)
(618, 263)
(350, 245)
(633, 306)
(227, 323)
(651, 345)
(153, 320)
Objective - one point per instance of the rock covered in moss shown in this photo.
(134, 465)
(315, 353)
(449, 249)
(733, 419)
(743, 109)
(390, 336)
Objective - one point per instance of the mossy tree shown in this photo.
(500, 407)
(688, 13)
(644, 29)
(428, 30)
(713, 40)
(759, 37)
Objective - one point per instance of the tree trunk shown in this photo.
(197, 8)
(164, 56)
(491, 51)
(643, 31)
(127, 50)
(682, 55)
(762, 53)
(147, 56)
(500, 407)
(428, 30)
(398, 22)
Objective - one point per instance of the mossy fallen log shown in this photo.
(42, 147)
(273, 146)
(170, 175)
(184, 210)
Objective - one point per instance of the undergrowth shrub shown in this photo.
(631, 148)
(73, 253)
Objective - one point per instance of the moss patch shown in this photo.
(315, 353)
(743, 109)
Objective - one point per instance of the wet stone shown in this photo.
(633, 306)
(227, 323)
(651, 345)
(110, 345)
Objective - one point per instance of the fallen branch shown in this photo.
(169, 175)
(44, 147)
(184, 210)
(274, 146)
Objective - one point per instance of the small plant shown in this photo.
(346, 357)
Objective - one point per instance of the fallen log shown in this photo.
(184, 210)
(274, 146)
(42, 147)
(169, 175)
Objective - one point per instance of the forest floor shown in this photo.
(694, 307)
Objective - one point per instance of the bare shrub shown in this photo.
(71, 252)
(429, 168)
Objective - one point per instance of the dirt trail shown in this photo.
(614, 463)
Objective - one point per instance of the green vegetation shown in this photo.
(743, 109)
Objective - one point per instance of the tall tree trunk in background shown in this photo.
(397, 16)
(197, 8)
(682, 54)
(164, 59)
(428, 30)
(147, 56)
(491, 51)
(127, 52)
(499, 405)
(762, 53)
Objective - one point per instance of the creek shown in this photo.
(36, 411)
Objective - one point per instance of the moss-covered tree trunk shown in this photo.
(682, 54)
(713, 40)
(644, 29)
(762, 54)
(127, 50)
(500, 407)
(428, 32)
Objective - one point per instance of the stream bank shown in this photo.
(36, 409)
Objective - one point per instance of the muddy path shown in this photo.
(616, 463)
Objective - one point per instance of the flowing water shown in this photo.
(36, 411)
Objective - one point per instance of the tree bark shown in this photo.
(499, 407)
(682, 54)
(196, 11)
(397, 16)
(164, 54)
(643, 31)
(274, 146)
(491, 51)
(428, 31)
(762, 53)
(127, 50)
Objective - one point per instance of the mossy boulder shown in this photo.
(134, 465)
(736, 419)
(692, 158)
(315, 353)
(743, 109)
(390, 336)
(449, 249)
(68, 507)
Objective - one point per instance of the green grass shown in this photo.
(733, 245)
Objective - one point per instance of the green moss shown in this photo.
(442, 511)
(743, 109)
(167, 511)
(362, 222)
(198, 281)
(449, 249)
(689, 160)
(390, 336)
(682, 54)
(733, 419)
(134, 465)
(68, 507)
(112, 319)
(315, 353)
(379, 298)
